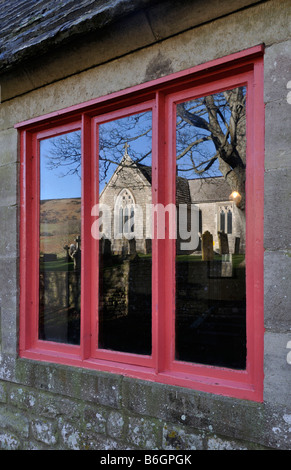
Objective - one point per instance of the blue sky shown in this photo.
(56, 183)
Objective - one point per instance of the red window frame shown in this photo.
(160, 96)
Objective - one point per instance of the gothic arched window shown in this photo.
(229, 221)
(222, 221)
(124, 210)
(225, 220)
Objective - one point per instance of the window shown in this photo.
(124, 207)
(225, 219)
(59, 238)
(138, 251)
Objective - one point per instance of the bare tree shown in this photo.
(211, 135)
(210, 140)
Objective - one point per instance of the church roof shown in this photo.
(182, 187)
(29, 27)
(210, 189)
(213, 189)
(146, 171)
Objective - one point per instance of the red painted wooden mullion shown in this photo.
(255, 225)
(86, 253)
(26, 339)
(98, 353)
(170, 244)
(159, 252)
(94, 266)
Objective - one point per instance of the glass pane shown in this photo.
(60, 242)
(125, 269)
(210, 271)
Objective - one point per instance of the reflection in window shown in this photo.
(225, 219)
(125, 260)
(229, 221)
(124, 206)
(210, 280)
(222, 221)
(60, 241)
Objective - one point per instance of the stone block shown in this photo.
(277, 381)
(9, 305)
(277, 216)
(32, 445)
(177, 438)
(277, 71)
(22, 398)
(219, 37)
(172, 17)
(144, 398)
(44, 431)
(144, 433)
(277, 281)
(215, 443)
(9, 185)
(277, 134)
(8, 280)
(190, 410)
(52, 406)
(15, 422)
(71, 436)
(102, 388)
(9, 442)
(9, 340)
(3, 393)
(115, 424)
(95, 419)
(7, 367)
(9, 230)
(63, 380)
(8, 147)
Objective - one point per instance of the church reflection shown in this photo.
(210, 286)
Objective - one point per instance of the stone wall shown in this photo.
(64, 408)
(53, 407)
(44, 406)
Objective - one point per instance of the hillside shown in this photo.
(60, 224)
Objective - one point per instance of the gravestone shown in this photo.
(125, 247)
(75, 253)
(207, 246)
(147, 245)
(105, 246)
(132, 247)
(227, 267)
(237, 245)
(223, 243)
(67, 249)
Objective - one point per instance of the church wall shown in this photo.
(140, 188)
(47, 406)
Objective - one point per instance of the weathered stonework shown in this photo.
(156, 417)
(45, 406)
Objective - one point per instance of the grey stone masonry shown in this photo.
(48, 406)
(103, 411)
